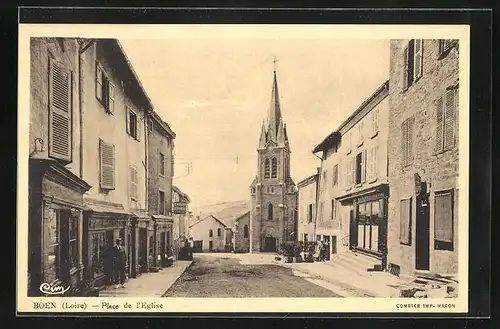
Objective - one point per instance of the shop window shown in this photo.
(52, 255)
(405, 222)
(104, 89)
(443, 220)
(98, 252)
(245, 231)
(60, 118)
(369, 218)
(73, 241)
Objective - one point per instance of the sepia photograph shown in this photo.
(255, 163)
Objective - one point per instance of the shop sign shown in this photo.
(179, 207)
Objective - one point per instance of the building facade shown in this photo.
(160, 144)
(181, 218)
(308, 196)
(241, 236)
(56, 183)
(209, 235)
(423, 168)
(273, 191)
(353, 184)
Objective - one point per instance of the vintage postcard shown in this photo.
(243, 168)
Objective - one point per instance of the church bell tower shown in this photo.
(273, 192)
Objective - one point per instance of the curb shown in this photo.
(175, 281)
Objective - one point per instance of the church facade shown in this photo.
(273, 216)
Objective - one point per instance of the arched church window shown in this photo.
(266, 168)
(270, 212)
(245, 231)
(274, 172)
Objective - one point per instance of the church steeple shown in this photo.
(274, 116)
(262, 139)
(280, 139)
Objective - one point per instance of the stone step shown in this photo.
(359, 260)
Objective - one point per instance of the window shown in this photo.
(335, 175)
(210, 233)
(310, 213)
(334, 210)
(274, 172)
(52, 256)
(219, 232)
(253, 190)
(407, 141)
(374, 122)
(98, 252)
(446, 125)
(305, 237)
(104, 89)
(161, 202)
(360, 167)
(60, 109)
(270, 212)
(443, 220)
(107, 163)
(445, 45)
(360, 134)
(413, 61)
(267, 168)
(161, 164)
(348, 142)
(73, 241)
(132, 126)
(405, 222)
(245, 231)
(372, 163)
(133, 182)
(210, 245)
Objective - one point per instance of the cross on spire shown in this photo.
(274, 63)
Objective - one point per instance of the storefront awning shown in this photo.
(104, 207)
(162, 218)
(140, 215)
(382, 189)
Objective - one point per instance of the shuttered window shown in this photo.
(374, 121)
(335, 175)
(412, 63)
(407, 141)
(443, 220)
(405, 222)
(60, 143)
(446, 120)
(133, 182)
(445, 45)
(404, 71)
(418, 58)
(107, 162)
(161, 164)
(104, 89)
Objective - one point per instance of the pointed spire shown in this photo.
(262, 139)
(274, 116)
(280, 139)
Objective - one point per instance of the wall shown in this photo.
(307, 195)
(98, 124)
(200, 231)
(441, 169)
(40, 51)
(242, 243)
(159, 141)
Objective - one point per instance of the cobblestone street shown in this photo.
(216, 276)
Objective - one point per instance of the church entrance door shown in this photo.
(269, 244)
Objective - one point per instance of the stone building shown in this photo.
(160, 144)
(353, 185)
(241, 236)
(423, 163)
(181, 218)
(273, 191)
(56, 183)
(308, 196)
(209, 235)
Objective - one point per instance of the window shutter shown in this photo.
(353, 170)
(411, 62)
(418, 58)
(363, 166)
(443, 217)
(98, 81)
(111, 101)
(107, 155)
(127, 120)
(60, 111)
(133, 182)
(449, 120)
(138, 126)
(404, 71)
(375, 121)
(360, 133)
(439, 125)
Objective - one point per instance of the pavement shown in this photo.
(219, 276)
(149, 284)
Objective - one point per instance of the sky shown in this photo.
(215, 94)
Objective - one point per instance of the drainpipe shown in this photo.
(80, 99)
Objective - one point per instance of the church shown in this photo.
(273, 215)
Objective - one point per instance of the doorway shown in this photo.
(269, 244)
(143, 249)
(422, 243)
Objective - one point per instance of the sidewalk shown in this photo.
(149, 284)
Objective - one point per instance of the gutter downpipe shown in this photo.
(317, 197)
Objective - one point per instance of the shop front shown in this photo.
(163, 239)
(104, 222)
(55, 228)
(142, 239)
(368, 222)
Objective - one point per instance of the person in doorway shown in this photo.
(119, 264)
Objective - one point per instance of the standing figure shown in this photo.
(119, 264)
